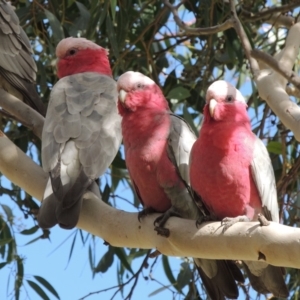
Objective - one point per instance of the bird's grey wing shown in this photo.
(180, 142)
(17, 65)
(81, 136)
(263, 176)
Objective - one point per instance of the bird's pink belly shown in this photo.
(226, 187)
(144, 174)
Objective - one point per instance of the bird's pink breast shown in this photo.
(147, 160)
(221, 172)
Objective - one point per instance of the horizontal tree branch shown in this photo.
(22, 112)
(244, 241)
(268, 13)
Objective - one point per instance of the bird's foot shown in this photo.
(160, 222)
(146, 211)
(262, 220)
(202, 219)
(228, 222)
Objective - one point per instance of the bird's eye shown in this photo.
(229, 99)
(72, 52)
(139, 86)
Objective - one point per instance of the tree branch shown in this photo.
(275, 65)
(244, 241)
(244, 40)
(272, 85)
(197, 31)
(22, 112)
(269, 13)
(275, 19)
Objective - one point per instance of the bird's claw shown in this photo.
(228, 222)
(160, 222)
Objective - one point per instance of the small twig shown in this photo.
(267, 13)
(197, 31)
(276, 19)
(244, 40)
(135, 276)
(276, 66)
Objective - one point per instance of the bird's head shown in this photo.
(137, 91)
(79, 55)
(224, 102)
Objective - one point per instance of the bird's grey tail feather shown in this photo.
(269, 281)
(65, 212)
(223, 284)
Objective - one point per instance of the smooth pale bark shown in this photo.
(22, 112)
(278, 243)
(272, 86)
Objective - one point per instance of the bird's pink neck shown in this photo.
(88, 60)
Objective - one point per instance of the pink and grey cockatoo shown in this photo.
(17, 67)
(82, 130)
(157, 149)
(231, 170)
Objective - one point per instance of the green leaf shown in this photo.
(47, 285)
(179, 93)
(8, 212)
(187, 116)
(119, 162)
(106, 193)
(72, 246)
(91, 260)
(57, 30)
(120, 252)
(167, 269)
(159, 290)
(106, 261)
(33, 241)
(19, 275)
(30, 231)
(5, 241)
(82, 22)
(112, 36)
(184, 276)
(3, 264)
(38, 289)
(275, 147)
(113, 4)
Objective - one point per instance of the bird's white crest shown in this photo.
(131, 78)
(78, 43)
(221, 89)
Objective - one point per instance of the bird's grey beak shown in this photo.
(122, 96)
(212, 105)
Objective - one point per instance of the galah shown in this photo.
(17, 67)
(157, 147)
(82, 130)
(231, 171)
